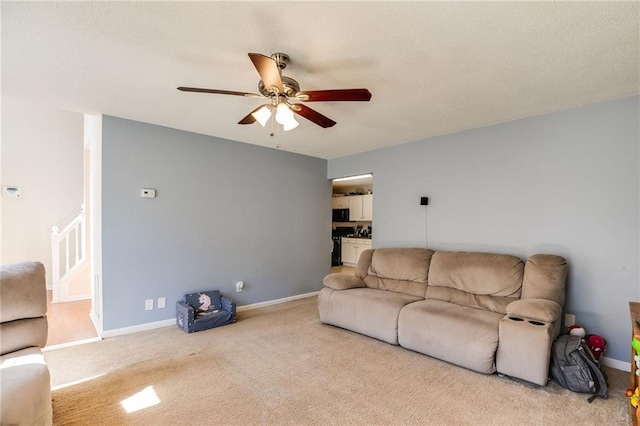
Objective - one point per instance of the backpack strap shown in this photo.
(601, 376)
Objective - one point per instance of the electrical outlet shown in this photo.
(569, 320)
(239, 286)
(162, 302)
(148, 305)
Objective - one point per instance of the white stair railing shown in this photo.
(72, 239)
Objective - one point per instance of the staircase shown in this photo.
(68, 253)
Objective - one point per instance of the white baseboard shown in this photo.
(137, 328)
(614, 363)
(172, 321)
(275, 302)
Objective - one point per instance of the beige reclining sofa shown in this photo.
(485, 312)
(25, 383)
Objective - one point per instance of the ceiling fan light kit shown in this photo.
(284, 116)
(281, 91)
(262, 115)
(289, 125)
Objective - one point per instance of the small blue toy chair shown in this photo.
(204, 310)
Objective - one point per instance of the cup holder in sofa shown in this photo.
(538, 323)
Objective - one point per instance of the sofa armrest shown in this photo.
(535, 309)
(340, 281)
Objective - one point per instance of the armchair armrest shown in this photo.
(535, 309)
(228, 305)
(185, 310)
(184, 316)
(340, 281)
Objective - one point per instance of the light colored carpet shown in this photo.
(280, 365)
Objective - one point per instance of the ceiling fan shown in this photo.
(284, 95)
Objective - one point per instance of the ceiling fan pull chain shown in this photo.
(274, 127)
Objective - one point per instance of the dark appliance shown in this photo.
(341, 215)
(336, 235)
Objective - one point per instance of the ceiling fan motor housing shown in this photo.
(282, 59)
(291, 87)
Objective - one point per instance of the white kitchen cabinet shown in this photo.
(340, 202)
(361, 207)
(367, 207)
(348, 251)
(352, 248)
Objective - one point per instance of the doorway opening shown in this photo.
(74, 310)
(352, 224)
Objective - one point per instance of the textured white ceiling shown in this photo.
(432, 67)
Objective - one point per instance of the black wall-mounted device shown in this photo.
(424, 201)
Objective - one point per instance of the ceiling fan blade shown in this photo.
(268, 70)
(247, 120)
(219, 92)
(250, 119)
(334, 95)
(313, 115)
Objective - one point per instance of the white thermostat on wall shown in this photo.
(148, 193)
(11, 192)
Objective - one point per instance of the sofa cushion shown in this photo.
(544, 278)
(477, 273)
(26, 388)
(496, 304)
(23, 292)
(24, 333)
(364, 310)
(458, 334)
(401, 270)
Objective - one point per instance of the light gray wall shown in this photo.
(564, 183)
(42, 153)
(225, 211)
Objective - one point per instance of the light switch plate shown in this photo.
(11, 192)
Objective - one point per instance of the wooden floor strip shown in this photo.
(69, 321)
